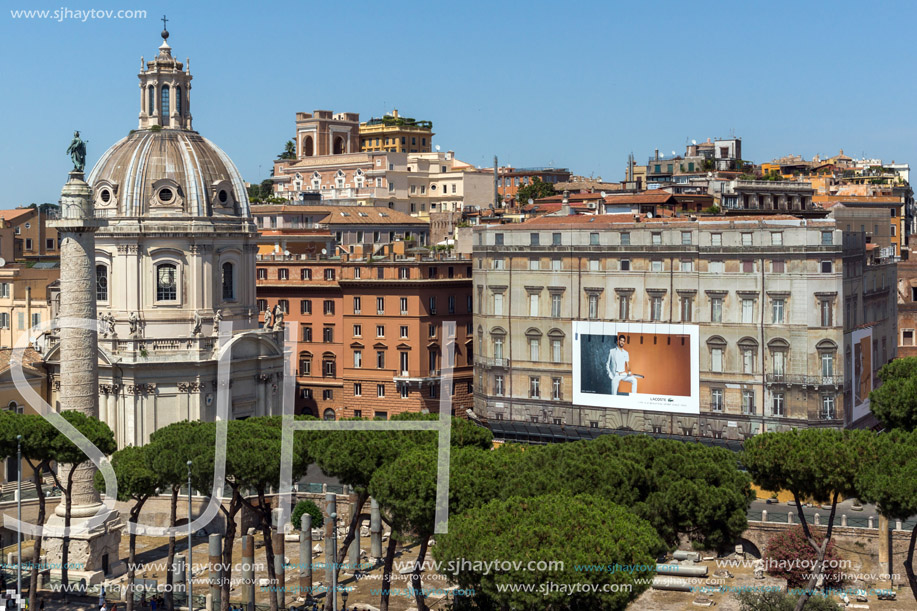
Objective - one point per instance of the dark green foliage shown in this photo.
(772, 600)
(307, 507)
(576, 530)
(289, 151)
(894, 403)
(534, 191)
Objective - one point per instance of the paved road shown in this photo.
(779, 511)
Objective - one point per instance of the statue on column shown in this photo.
(268, 320)
(278, 318)
(217, 319)
(198, 322)
(134, 322)
(108, 324)
(77, 152)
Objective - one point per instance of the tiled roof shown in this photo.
(344, 215)
(9, 215)
(646, 197)
(606, 220)
(28, 356)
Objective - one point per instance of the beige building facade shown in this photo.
(775, 301)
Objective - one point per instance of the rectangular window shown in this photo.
(4, 320)
(555, 350)
(656, 265)
(716, 309)
(499, 264)
(432, 305)
(779, 364)
(656, 309)
(533, 239)
(593, 265)
(625, 238)
(328, 335)
(284, 305)
(307, 333)
(778, 267)
(380, 359)
(657, 238)
(593, 239)
(555, 389)
(357, 302)
(380, 305)
(404, 306)
(827, 238)
(778, 405)
(357, 359)
(593, 306)
(685, 237)
(5, 289)
(825, 311)
(380, 330)
(827, 267)
(306, 393)
(716, 400)
(556, 305)
(716, 267)
(748, 360)
(328, 307)
(498, 304)
(533, 264)
(555, 239)
(498, 239)
(262, 304)
(748, 402)
(686, 309)
(283, 273)
(498, 385)
(827, 407)
(305, 274)
(716, 239)
(623, 307)
(777, 238)
(625, 265)
(403, 357)
(49, 242)
(305, 306)
(432, 330)
(380, 390)
(746, 239)
(716, 360)
(534, 386)
(748, 267)
(778, 309)
(533, 349)
(358, 330)
(327, 394)
(405, 391)
(748, 311)
(533, 304)
(555, 265)
(686, 265)
(907, 337)
(404, 331)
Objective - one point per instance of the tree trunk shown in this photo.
(416, 583)
(352, 529)
(36, 546)
(909, 563)
(818, 568)
(65, 551)
(387, 571)
(170, 558)
(132, 550)
(228, 539)
(265, 512)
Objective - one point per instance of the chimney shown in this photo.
(657, 155)
(565, 204)
(395, 113)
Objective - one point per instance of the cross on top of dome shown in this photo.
(165, 32)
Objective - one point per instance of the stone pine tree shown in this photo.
(172, 447)
(38, 444)
(573, 531)
(894, 403)
(65, 451)
(137, 482)
(889, 479)
(817, 464)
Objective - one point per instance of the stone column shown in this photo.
(330, 507)
(885, 562)
(375, 531)
(216, 569)
(305, 557)
(279, 568)
(248, 572)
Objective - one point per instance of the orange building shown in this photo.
(370, 333)
(30, 237)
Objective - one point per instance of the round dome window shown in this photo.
(105, 195)
(165, 195)
(223, 196)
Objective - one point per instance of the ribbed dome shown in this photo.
(167, 173)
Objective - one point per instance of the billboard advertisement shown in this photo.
(645, 366)
(862, 380)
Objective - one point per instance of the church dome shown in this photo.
(167, 173)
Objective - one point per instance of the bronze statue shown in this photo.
(77, 152)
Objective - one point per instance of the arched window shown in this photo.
(151, 99)
(101, 283)
(178, 100)
(338, 146)
(164, 106)
(228, 287)
(307, 147)
(329, 414)
(166, 282)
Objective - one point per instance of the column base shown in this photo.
(93, 551)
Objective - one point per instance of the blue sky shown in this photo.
(575, 84)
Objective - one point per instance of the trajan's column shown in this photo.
(94, 552)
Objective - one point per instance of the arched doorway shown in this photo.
(338, 145)
(308, 148)
(329, 414)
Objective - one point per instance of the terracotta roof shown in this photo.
(605, 220)
(344, 215)
(572, 197)
(9, 215)
(655, 196)
(29, 358)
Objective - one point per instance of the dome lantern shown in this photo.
(165, 90)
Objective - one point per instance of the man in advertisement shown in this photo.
(618, 366)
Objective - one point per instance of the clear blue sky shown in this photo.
(570, 84)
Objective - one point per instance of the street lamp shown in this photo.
(344, 598)
(334, 561)
(190, 565)
(19, 515)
